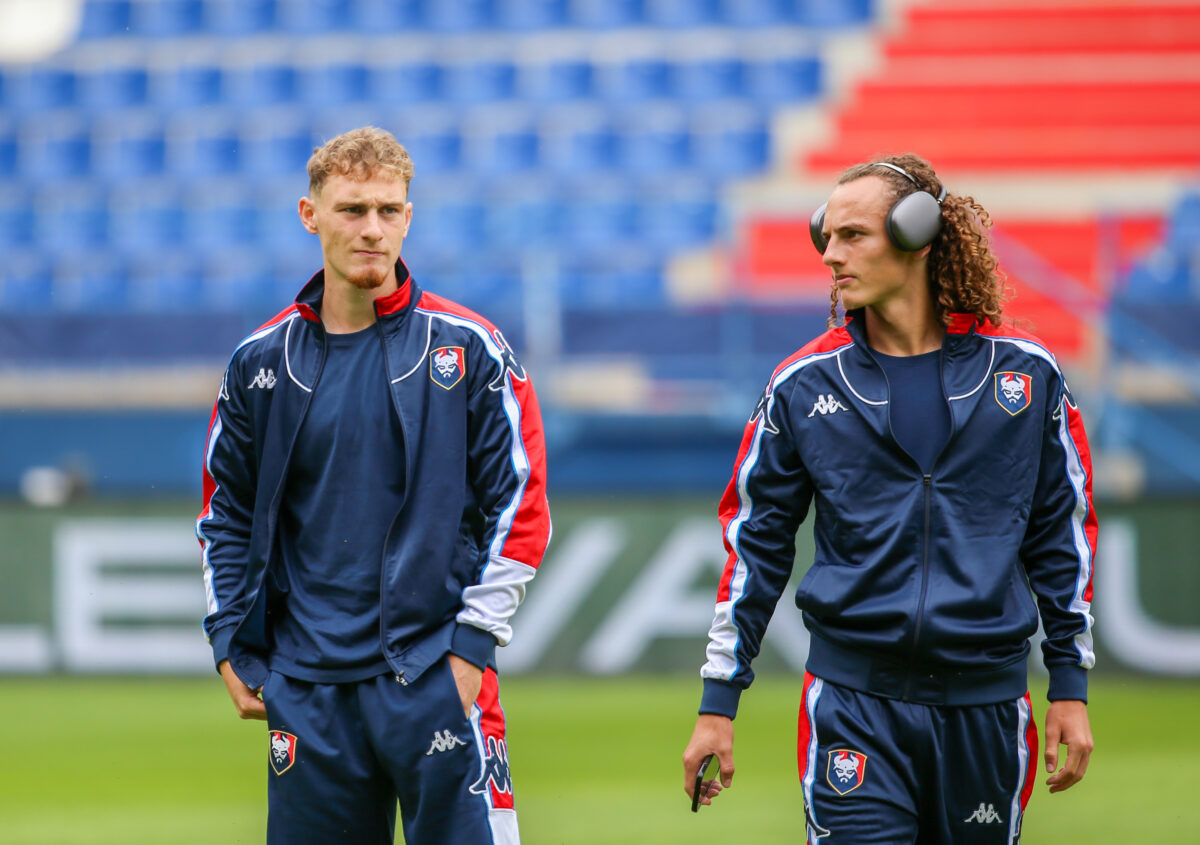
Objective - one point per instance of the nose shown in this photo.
(372, 230)
(833, 252)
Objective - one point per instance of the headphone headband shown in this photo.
(941, 195)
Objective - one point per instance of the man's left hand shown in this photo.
(469, 679)
(1067, 724)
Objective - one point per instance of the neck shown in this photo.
(347, 308)
(903, 328)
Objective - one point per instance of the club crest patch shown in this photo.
(447, 366)
(846, 770)
(1014, 392)
(283, 751)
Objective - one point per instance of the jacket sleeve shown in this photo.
(1059, 548)
(223, 526)
(766, 500)
(507, 469)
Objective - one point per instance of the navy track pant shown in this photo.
(877, 771)
(342, 754)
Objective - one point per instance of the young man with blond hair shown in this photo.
(374, 505)
(949, 473)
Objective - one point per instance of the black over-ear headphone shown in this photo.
(912, 222)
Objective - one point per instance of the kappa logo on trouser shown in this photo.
(495, 769)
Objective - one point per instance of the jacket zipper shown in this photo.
(387, 374)
(927, 490)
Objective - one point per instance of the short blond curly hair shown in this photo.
(360, 154)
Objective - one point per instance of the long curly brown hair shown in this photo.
(964, 276)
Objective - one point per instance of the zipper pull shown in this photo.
(926, 479)
(400, 680)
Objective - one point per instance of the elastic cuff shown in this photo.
(220, 641)
(474, 645)
(1067, 683)
(720, 698)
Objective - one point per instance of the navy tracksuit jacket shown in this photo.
(920, 588)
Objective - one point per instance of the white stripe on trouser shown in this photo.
(1014, 812)
(810, 768)
(503, 822)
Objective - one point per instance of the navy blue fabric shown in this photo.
(359, 747)
(920, 416)
(345, 483)
(933, 775)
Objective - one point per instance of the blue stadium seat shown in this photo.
(92, 282)
(524, 214)
(145, 217)
(834, 13)
(189, 85)
(255, 84)
(784, 79)
(337, 83)
(711, 78)
(106, 19)
(219, 215)
(164, 283)
(113, 86)
(201, 144)
(40, 87)
(379, 17)
(556, 80)
(128, 146)
(635, 79)
(655, 139)
(25, 282)
(16, 218)
(683, 13)
(679, 216)
(730, 140)
(309, 17)
(237, 279)
(1183, 232)
(404, 81)
(607, 14)
(8, 149)
(499, 141)
(530, 14)
(243, 17)
(167, 18)
(273, 144)
(278, 220)
(598, 216)
(55, 148)
(448, 215)
(70, 215)
(479, 80)
(432, 138)
(459, 16)
(580, 140)
(761, 13)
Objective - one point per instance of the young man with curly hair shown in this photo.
(951, 481)
(374, 504)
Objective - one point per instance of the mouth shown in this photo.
(842, 281)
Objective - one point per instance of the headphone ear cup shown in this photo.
(914, 221)
(815, 224)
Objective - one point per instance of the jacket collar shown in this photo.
(960, 326)
(396, 304)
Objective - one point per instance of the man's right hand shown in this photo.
(713, 735)
(247, 701)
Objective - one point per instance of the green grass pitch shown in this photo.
(165, 761)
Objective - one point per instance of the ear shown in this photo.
(407, 218)
(308, 215)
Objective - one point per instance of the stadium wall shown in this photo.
(114, 586)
